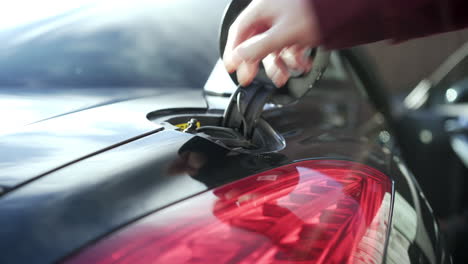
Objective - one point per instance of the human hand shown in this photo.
(277, 32)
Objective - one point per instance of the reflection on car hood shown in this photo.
(111, 43)
(44, 146)
(22, 106)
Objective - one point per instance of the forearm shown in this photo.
(345, 23)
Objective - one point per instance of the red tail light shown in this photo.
(317, 211)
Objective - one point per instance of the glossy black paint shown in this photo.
(45, 146)
(73, 206)
(126, 44)
(60, 57)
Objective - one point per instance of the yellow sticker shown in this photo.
(185, 125)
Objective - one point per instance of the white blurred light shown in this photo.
(21, 12)
(451, 95)
(425, 136)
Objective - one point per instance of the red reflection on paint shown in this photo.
(318, 211)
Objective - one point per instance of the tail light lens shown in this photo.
(316, 211)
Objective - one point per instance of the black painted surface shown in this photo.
(42, 147)
(125, 44)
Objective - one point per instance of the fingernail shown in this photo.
(241, 74)
(235, 61)
(274, 73)
(276, 78)
(229, 67)
(281, 79)
(228, 63)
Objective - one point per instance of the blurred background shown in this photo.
(401, 66)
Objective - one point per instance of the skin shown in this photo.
(276, 33)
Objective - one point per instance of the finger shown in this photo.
(291, 58)
(304, 56)
(242, 28)
(307, 58)
(246, 73)
(276, 69)
(297, 60)
(282, 75)
(259, 46)
(269, 64)
(309, 66)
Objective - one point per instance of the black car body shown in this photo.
(76, 183)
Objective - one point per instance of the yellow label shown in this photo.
(185, 125)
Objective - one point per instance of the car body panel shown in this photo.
(73, 206)
(42, 147)
(24, 106)
(104, 44)
(58, 57)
